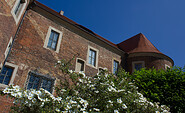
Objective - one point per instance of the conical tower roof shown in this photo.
(138, 43)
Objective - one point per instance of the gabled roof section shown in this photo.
(138, 43)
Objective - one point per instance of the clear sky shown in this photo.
(161, 21)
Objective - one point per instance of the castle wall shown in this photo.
(8, 24)
(29, 54)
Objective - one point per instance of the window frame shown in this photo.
(8, 47)
(15, 68)
(50, 29)
(41, 77)
(20, 11)
(137, 62)
(77, 62)
(115, 60)
(96, 57)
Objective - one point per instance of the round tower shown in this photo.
(142, 53)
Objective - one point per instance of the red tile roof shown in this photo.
(138, 43)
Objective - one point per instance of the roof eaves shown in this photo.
(49, 10)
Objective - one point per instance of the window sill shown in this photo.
(3, 86)
(92, 66)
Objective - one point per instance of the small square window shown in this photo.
(53, 39)
(92, 57)
(80, 65)
(137, 65)
(115, 66)
(37, 81)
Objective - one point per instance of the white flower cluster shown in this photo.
(84, 101)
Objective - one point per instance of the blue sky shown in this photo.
(161, 21)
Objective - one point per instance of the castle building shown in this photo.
(34, 37)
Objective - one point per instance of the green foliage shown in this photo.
(164, 86)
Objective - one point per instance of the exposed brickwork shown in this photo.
(7, 27)
(5, 104)
(29, 53)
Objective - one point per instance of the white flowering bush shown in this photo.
(105, 93)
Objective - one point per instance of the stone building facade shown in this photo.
(34, 37)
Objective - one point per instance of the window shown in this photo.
(53, 39)
(18, 9)
(8, 73)
(37, 81)
(115, 66)
(137, 65)
(92, 57)
(80, 65)
(8, 47)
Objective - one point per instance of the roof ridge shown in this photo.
(137, 43)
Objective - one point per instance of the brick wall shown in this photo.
(7, 25)
(5, 104)
(150, 62)
(29, 54)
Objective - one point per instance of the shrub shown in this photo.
(164, 86)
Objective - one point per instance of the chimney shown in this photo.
(61, 12)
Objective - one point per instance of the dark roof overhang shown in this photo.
(64, 18)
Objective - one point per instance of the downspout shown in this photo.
(18, 29)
